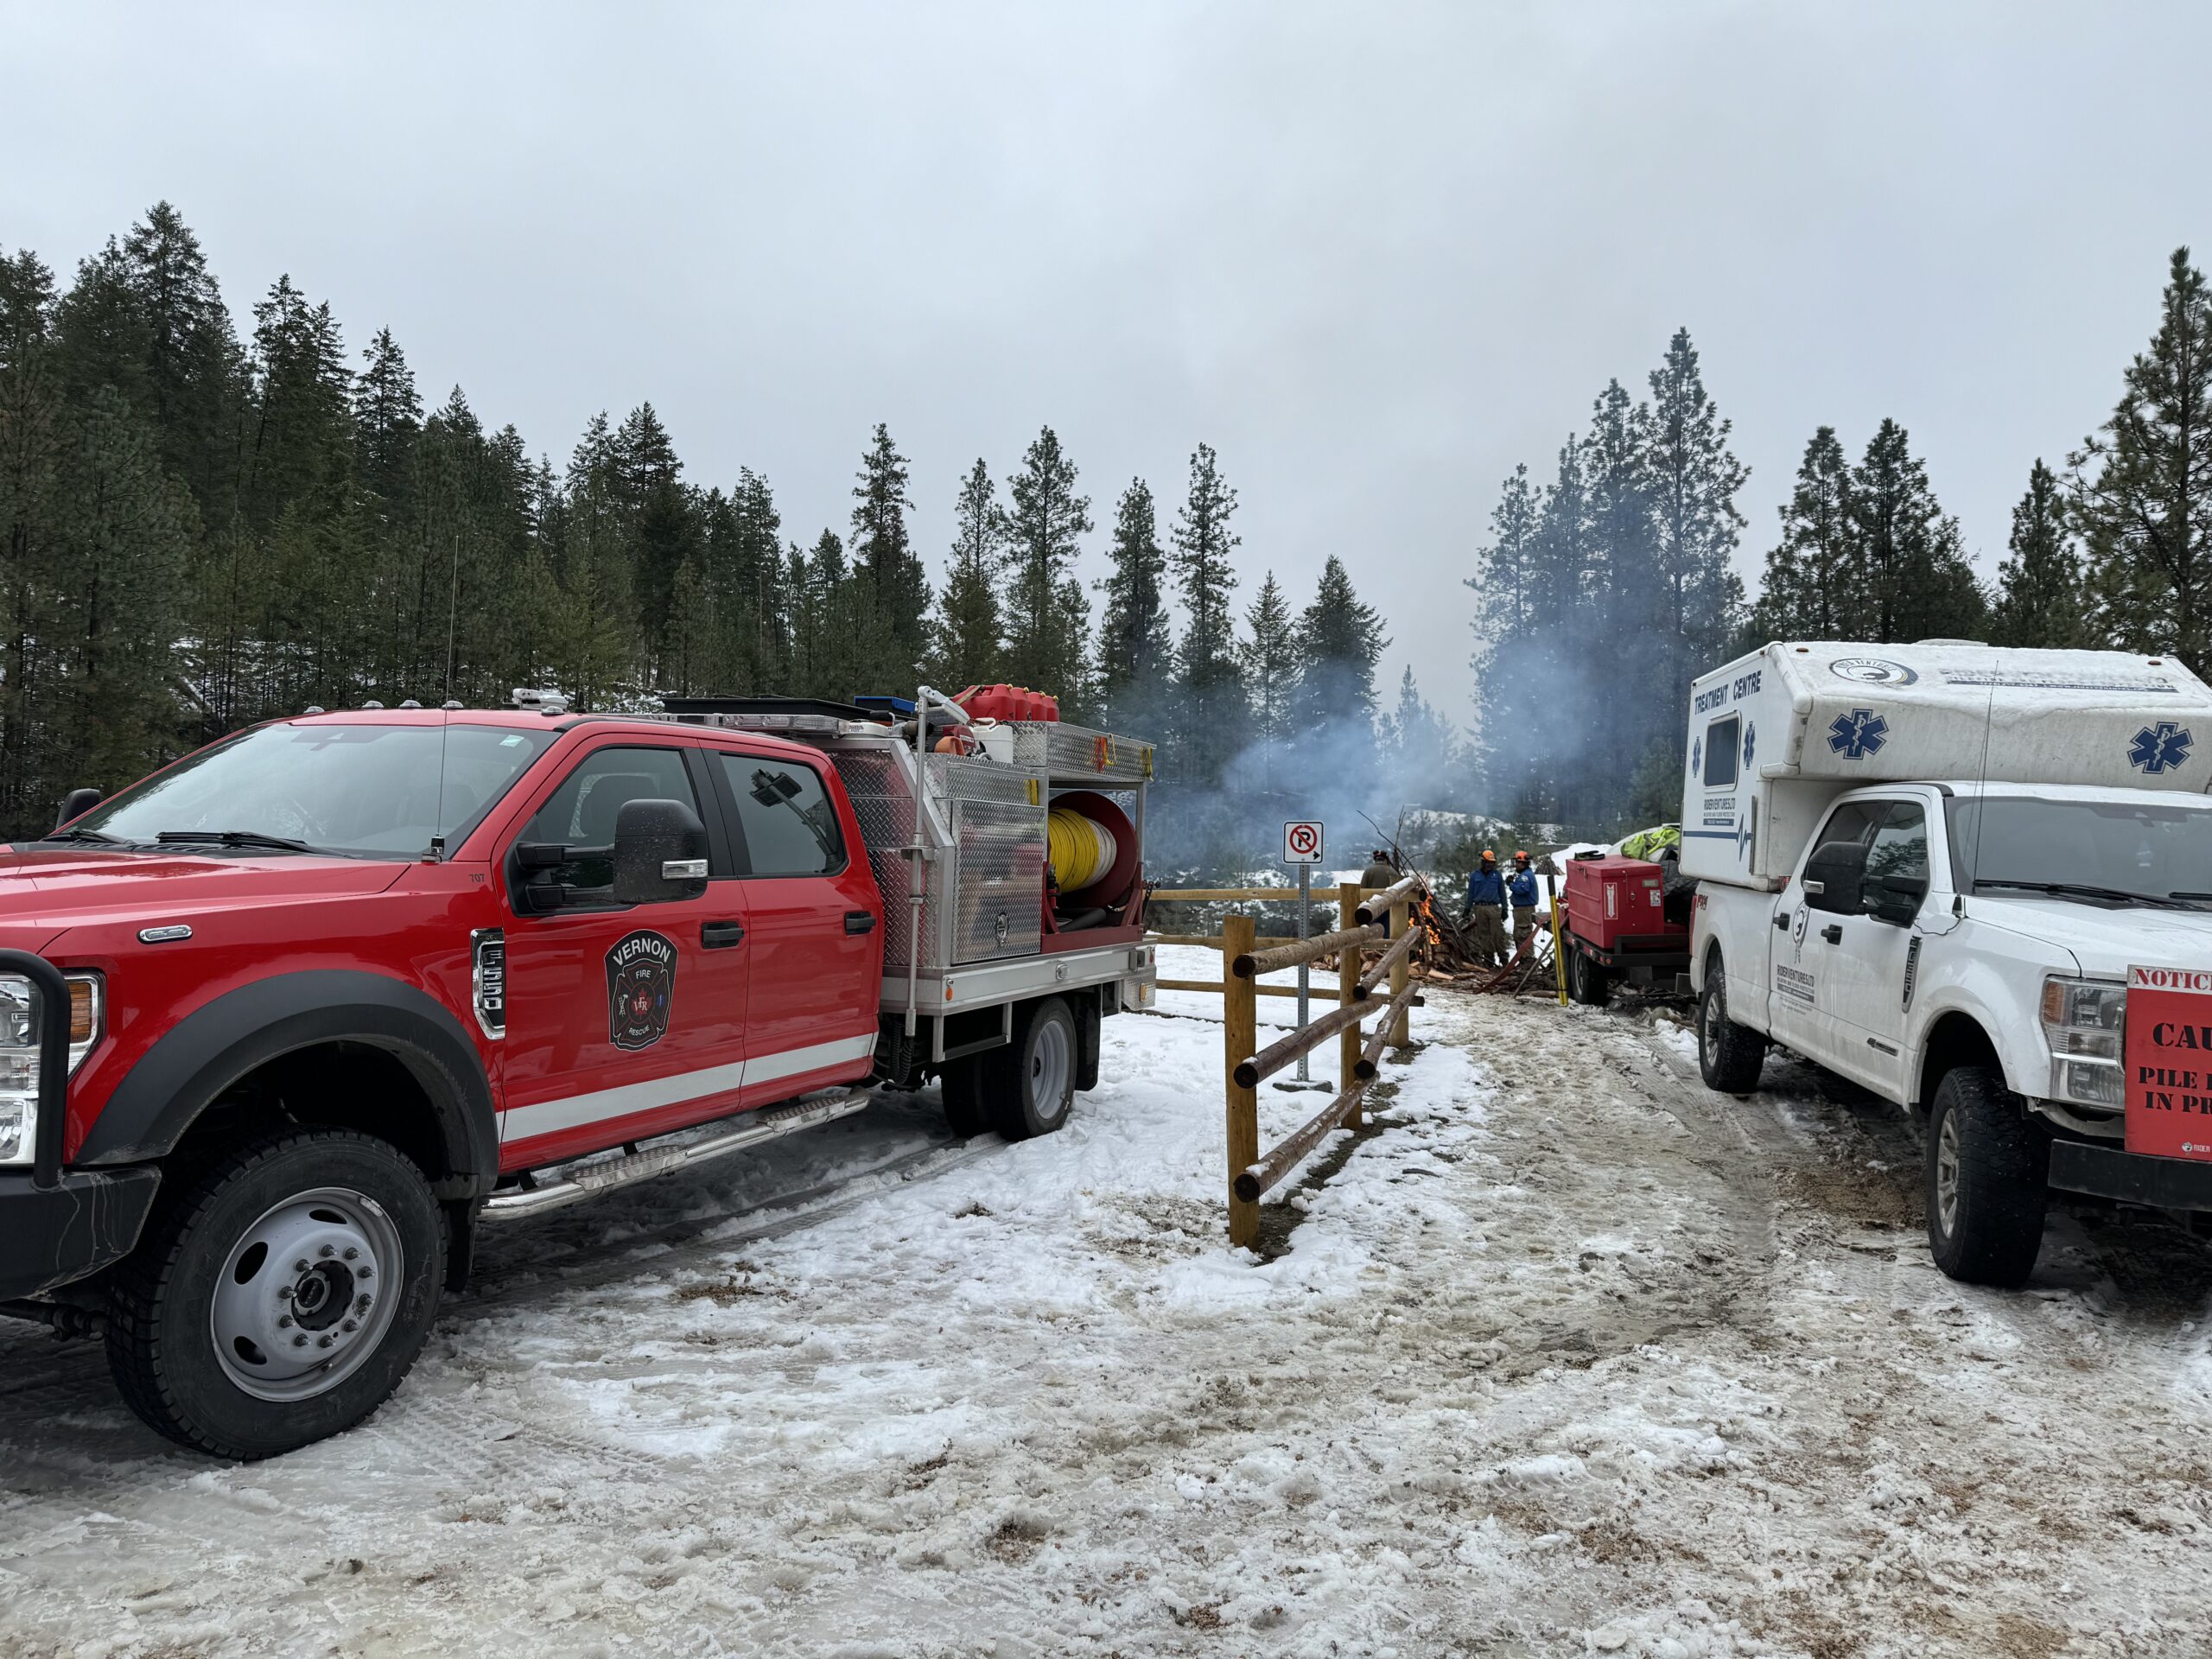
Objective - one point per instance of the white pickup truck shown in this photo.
(1941, 870)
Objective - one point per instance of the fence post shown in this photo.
(1240, 1035)
(1402, 971)
(1348, 965)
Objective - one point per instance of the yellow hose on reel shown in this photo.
(1082, 850)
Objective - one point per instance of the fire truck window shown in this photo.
(790, 824)
(1722, 741)
(581, 812)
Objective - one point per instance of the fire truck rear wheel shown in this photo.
(964, 1084)
(1030, 1084)
(281, 1297)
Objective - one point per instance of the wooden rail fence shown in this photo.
(1212, 941)
(1251, 1175)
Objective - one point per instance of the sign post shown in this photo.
(1301, 846)
(2169, 1062)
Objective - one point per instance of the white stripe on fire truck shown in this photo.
(550, 1116)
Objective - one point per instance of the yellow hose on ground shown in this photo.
(1082, 850)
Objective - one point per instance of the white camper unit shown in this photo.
(1776, 736)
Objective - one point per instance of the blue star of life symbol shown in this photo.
(1859, 734)
(1697, 752)
(2157, 747)
(1750, 733)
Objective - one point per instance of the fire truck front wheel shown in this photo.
(280, 1298)
(1030, 1084)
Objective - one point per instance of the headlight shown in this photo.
(2081, 1023)
(19, 1060)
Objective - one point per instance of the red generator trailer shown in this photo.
(1616, 927)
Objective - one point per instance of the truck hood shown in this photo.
(2107, 942)
(45, 892)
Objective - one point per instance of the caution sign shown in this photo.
(1302, 842)
(2169, 1058)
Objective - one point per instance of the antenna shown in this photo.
(436, 851)
(1981, 790)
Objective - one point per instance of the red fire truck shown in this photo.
(282, 1025)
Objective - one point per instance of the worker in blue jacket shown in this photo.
(1485, 908)
(1521, 888)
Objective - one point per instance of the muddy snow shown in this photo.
(1566, 1356)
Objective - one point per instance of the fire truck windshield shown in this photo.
(359, 791)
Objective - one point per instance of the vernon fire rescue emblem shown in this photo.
(640, 989)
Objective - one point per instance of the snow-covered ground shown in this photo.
(1568, 1356)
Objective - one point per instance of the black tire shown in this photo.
(1987, 1163)
(1729, 1056)
(312, 1189)
(1029, 1085)
(964, 1084)
(1587, 982)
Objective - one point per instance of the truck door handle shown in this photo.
(720, 936)
(1833, 932)
(859, 921)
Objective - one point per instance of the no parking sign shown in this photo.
(1302, 842)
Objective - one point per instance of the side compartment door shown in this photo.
(815, 940)
(622, 1021)
(1817, 905)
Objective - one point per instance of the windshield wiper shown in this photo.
(83, 835)
(2082, 890)
(236, 838)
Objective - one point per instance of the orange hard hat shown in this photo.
(1521, 852)
(1489, 853)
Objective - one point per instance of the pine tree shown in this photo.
(1136, 651)
(1816, 586)
(387, 415)
(1339, 641)
(1920, 585)
(1212, 707)
(193, 371)
(2144, 486)
(1694, 479)
(1045, 637)
(881, 551)
(2039, 595)
(1636, 620)
(659, 517)
(1270, 657)
(970, 640)
(301, 423)
(125, 531)
(1422, 740)
(692, 663)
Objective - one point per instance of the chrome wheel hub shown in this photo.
(1947, 1174)
(307, 1294)
(1050, 1064)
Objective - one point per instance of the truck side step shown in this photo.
(565, 1183)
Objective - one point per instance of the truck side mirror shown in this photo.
(1895, 900)
(1834, 877)
(76, 804)
(660, 853)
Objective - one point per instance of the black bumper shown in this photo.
(2131, 1177)
(89, 1217)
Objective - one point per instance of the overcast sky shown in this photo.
(1374, 255)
